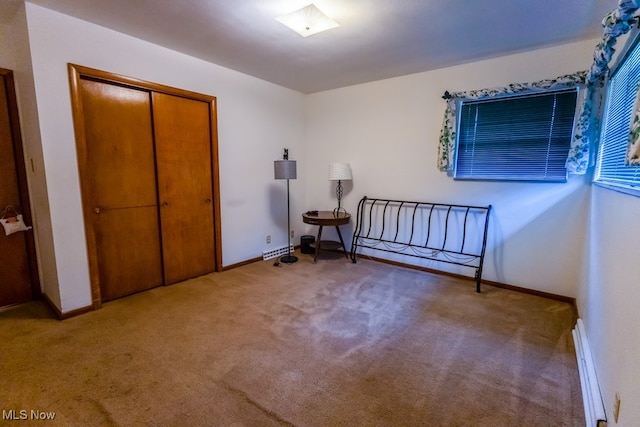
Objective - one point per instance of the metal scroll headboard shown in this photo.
(453, 234)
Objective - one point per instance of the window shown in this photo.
(523, 138)
(611, 168)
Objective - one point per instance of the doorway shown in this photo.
(19, 281)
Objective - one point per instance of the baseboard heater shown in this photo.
(591, 396)
(273, 253)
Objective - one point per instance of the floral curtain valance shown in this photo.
(579, 152)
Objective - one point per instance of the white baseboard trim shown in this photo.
(594, 413)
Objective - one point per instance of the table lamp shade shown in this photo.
(339, 172)
(284, 169)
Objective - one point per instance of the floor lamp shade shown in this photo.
(284, 169)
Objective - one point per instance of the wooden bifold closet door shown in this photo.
(183, 156)
(146, 160)
(121, 201)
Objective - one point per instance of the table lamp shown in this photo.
(339, 172)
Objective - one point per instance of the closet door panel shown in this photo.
(128, 253)
(119, 188)
(184, 163)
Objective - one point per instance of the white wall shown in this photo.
(388, 130)
(256, 120)
(609, 301)
(7, 44)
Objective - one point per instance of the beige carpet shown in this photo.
(326, 344)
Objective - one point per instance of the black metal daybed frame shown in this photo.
(405, 219)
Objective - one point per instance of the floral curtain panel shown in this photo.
(579, 152)
(633, 153)
(616, 23)
(633, 149)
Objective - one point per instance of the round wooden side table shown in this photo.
(322, 218)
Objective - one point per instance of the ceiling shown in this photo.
(376, 39)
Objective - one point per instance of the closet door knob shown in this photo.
(97, 210)
(165, 204)
(208, 201)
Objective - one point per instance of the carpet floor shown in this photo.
(325, 344)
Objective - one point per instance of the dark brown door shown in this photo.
(183, 155)
(119, 189)
(15, 278)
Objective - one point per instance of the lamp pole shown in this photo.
(288, 259)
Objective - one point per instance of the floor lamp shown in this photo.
(286, 169)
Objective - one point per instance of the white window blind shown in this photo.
(611, 168)
(525, 137)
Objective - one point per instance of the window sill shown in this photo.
(625, 189)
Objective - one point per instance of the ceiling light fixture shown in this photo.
(307, 21)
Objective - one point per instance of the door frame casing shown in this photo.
(21, 171)
(78, 72)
